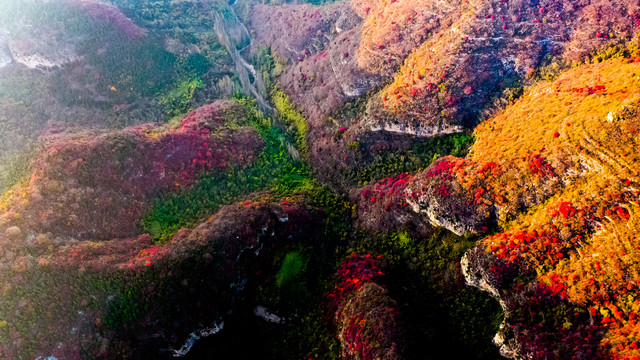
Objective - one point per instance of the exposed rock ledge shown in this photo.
(41, 54)
(195, 336)
(423, 131)
(5, 54)
(475, 277)
(438, 215)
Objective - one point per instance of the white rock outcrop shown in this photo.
(41, 53)
(5, 54)
(475, 277)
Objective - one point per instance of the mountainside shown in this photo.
(85, 64)
(420, 68)
(354, 179)
(555, 173)
(80, 181)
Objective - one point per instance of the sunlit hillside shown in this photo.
(319, 180)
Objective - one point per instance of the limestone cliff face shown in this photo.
(476, 277)
(438, 195)
(5, 53)
(42, 53)
(37, 48)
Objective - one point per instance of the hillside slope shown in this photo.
(370, 74)
(556, 173)
(82, 64)
(81, 181)
(406, 150)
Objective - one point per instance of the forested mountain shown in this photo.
(355, 179)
